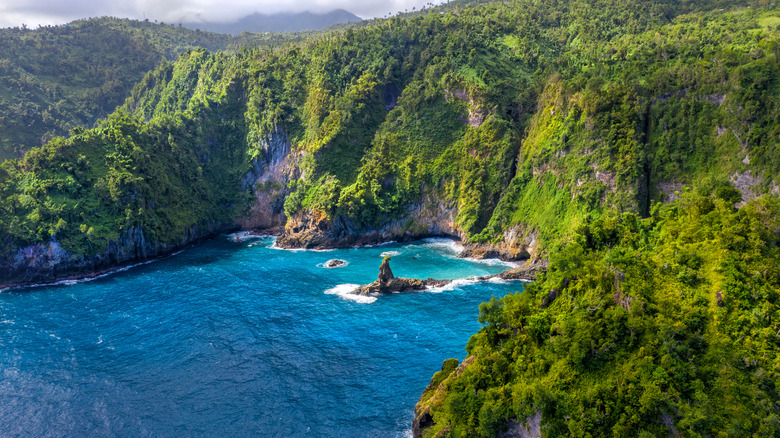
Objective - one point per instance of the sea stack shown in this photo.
(385, 273)
(386, 282)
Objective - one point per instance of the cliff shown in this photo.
(40, 264)
(383, 134)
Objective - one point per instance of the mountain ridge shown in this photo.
(278, 22)
(633, 146)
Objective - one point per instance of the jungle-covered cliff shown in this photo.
(635, 145)
(507, 124)
(56, 78)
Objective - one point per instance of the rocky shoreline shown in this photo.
(40, 265)
(387, 283)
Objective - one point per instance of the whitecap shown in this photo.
(443, 243)
(454, 284)
(492, 262)
(374, 245)
(72, 281)
(242, 236)
(390, 254)
(343, 291)
(274, 246)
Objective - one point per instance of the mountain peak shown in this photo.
(279, 22)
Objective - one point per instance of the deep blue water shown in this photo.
(235, 339)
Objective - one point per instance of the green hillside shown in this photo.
(55, 78)
(664, 326)
(634, 145)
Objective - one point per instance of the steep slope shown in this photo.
(503, 125)
(541, 129)
(53, 79)
(665, 326)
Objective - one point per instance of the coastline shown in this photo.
(240, 235)
(80, 266)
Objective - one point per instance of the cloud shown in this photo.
(45, 12)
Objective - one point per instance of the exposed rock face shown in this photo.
(434, 215)
(670, 189)
(477, 113)
(386, 282)
(487, 251)
(525, 272)
(49, 263)
(385, 273)
(518, 244)
(268, 180)
(392, 286)
(747, 183)
(531, 428)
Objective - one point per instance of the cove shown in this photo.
(236, 338)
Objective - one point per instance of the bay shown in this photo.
(237, 338)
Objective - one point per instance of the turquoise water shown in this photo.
(236, 339)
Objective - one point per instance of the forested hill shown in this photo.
(634, 145)
(55, 78)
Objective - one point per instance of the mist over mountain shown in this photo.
(279, 22)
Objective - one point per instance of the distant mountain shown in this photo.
(281, 22)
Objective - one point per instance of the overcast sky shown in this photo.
(43, 12)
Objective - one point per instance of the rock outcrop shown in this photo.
(386, 282)
(487, 251)
(433, 216)
(268, 179)
(335, 263)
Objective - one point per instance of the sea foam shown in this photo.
(242, 236)
(343, 291)
(443, 243)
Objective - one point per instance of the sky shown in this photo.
(46, 12)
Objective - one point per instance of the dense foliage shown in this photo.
(55, 78)
(562, 123)
(665, 326)
(535, 117)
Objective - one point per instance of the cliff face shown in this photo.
(268, 179)
(432, 216)
(36, 264)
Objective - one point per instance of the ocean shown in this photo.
(235, 337)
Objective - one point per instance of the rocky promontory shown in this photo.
(386, 282)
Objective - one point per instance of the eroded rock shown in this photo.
(335, 263)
